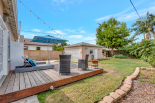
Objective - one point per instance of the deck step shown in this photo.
(2, 80)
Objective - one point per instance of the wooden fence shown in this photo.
(42, 54)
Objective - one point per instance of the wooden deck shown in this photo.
(20, 85)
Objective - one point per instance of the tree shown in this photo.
(60, 48)
(113, 34)
(144, 25)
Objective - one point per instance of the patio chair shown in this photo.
(64, 64)
(27, 64)
(31, 67)
(83, 63)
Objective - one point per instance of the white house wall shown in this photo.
(41, 47)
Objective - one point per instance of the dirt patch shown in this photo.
(142, 92)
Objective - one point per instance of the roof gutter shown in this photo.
(14, 5)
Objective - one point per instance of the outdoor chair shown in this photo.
(27, 64)
(64, 64)
(83, 63)
(32, 67)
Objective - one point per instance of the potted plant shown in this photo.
(94, 63)
(44, 59)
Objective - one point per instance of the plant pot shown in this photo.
(94, 63)
(44, 59)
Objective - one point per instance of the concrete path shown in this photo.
(31, 99)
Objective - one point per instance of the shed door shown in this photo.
(95, 55)
(75, 54)
(1, 52)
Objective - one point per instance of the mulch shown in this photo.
(142, 92)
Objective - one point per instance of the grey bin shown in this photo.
(65, 62)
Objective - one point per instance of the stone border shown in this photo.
(124, 88)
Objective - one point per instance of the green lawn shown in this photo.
(94, 88)
(147, 76)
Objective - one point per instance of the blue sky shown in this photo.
(76, 20)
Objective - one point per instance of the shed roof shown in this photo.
(83, 44)
(28, 42)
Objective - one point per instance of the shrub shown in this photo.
(119, 56)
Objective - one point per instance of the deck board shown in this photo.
(21, 85)
(22, 81)
(5, 85)
(27, 81)
(33, 83)
(38, 82)
(49, 78)
(16, 84)
(55, 78)
(39, 77)
(11, 84)
(43, 77)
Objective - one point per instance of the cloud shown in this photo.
(36, 30)
(70, 30)
(76, 36)
(133, 15)
(81, 31)
(56, 32)
(89, 38)
(118, 14)
(27, 35)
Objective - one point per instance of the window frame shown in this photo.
(91, 51)
(37, 48)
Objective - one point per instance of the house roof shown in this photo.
(10, 8)
(83, 44)
(28, 42)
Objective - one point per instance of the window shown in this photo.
(8, 45)
(38, 48)
(25, 47)
(91, 51)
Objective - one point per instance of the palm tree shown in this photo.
(144, 25)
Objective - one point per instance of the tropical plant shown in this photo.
(144, 50)
(113, 34)
(144, 25)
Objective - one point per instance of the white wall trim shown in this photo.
(2, 24)
(5, 46)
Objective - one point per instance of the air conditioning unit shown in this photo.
(6, 17)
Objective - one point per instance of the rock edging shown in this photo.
(124, 88)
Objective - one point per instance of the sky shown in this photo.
(76, 20)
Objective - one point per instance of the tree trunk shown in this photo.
(112, 51)
(144, 36)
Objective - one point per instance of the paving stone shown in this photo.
(153, 69)
(128, 82)
(102, 102)
(108, 99)
(115, 95)
(125, 89)
(143, 68)
(120, 92)
(127, 85)
(128, 79)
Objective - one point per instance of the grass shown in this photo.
(94, 88)
(147, 76)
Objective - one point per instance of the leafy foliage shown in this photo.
(60, 48)
(113, 34)
(119, 56)
(144, 50)
(144, 25)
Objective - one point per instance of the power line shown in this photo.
(135, 9)
(44, 23)
(40, 19)
(49, 33)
